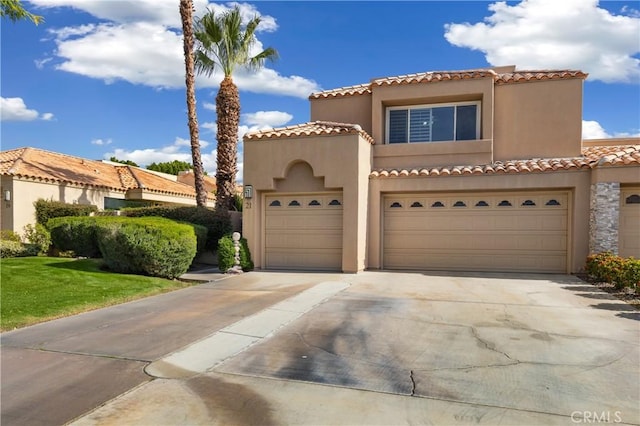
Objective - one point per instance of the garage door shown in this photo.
(477, 231)
(304, 231)
(629, 230)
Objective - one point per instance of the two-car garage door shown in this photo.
(304, 231)
(525, 231)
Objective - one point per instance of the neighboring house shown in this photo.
(188, 177)
(480, 170)
(29, 174)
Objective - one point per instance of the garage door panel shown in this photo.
(310, 259)
(304, 239)
(524, 234)
(304, 231)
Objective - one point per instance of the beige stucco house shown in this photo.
(479, 170)
(29, 174)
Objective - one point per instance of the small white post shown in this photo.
(236, 269)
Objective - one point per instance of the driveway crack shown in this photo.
(489, 345)
(413, 383)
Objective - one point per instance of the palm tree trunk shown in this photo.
(228, 114)
(186, 13)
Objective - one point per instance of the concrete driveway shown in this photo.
(388, 348)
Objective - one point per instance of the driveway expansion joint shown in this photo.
(202, 356)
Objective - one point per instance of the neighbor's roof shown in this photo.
(45, 166)
(314, 128)
(592, 157)
(437, 76)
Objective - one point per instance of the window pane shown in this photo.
(420, 125)
(442, 129)
(398, 126)
(466, 123)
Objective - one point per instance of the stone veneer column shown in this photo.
(604, 217)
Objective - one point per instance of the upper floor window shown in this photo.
(432, 123)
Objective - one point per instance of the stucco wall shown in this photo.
(538, 119)
(25, 193)
(411, 155)
(343, 162)
(347, 109)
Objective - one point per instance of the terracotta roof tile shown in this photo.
(437, 76)
(592, 157)
(315, 128)
(359, 89)
(46, 166)
(525, 76)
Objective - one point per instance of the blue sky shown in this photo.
(104, 78)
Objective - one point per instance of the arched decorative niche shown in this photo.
(299, 177)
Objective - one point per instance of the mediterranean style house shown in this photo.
(29, 174)
(477, 170)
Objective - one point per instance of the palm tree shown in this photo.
(186, 13)
(14, 10)
(225, 43)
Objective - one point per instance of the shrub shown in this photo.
(153, 246)
(607, 267)
(38, 236)
(46, 210)
(9, 235)
(217, 222)
(226, 254)
(10, 248)
(77, 234)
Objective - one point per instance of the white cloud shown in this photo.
(208, 105)
(211, 126)
(14, 109)
(101, 142)
(268, 118)
(543, 34)
(179, 150)
(591, 129)
(141, 43)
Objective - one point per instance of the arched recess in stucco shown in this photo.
(299, 178)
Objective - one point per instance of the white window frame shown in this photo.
(478, 105)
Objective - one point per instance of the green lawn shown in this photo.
(36, 289)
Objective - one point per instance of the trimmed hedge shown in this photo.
(226, 254)
(152, 246)
(10, 248)
(619, 271)
(217, 222)
(79, 234)
(46, 210)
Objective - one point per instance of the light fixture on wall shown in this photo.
(7, 195)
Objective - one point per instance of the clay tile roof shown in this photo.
(525, 76)
(437, 76)
(46, 166)
(315, 128)
(592, 157)
(359, 89)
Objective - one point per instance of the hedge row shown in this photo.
(619, 271)
(217, 222)
(79, 234)
(152, 245)
(46, 210)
